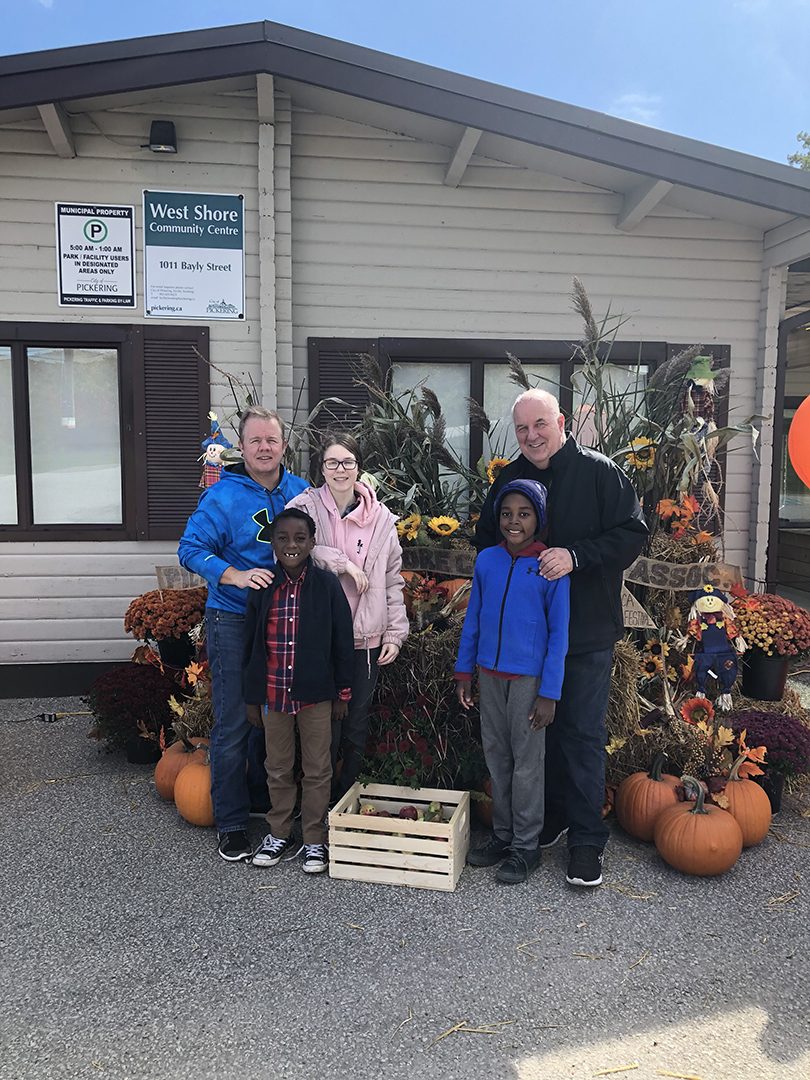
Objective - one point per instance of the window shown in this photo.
(457, 369)
(104, 426)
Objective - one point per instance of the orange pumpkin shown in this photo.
(192, 793)
(641, 798)
(453, 585)
(700, 839)
(175, 758)
(748, 805)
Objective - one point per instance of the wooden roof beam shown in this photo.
(461, 156)
(639, 201)
(57, 125)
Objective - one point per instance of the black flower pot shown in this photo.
(142, 751)
(773, 784)
(176, 652)
(764, 676)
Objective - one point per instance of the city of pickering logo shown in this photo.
(264, 521)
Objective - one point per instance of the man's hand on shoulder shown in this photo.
(555, 563)
(257, 578)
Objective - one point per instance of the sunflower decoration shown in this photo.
(657, 648)
(443, 526)
(408, 527)
(494, 466)
(650, 665)
(697, 711)
(641, 455)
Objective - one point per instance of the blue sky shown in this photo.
(731, 72)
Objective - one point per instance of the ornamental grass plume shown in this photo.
(165, 613)
(772, 624)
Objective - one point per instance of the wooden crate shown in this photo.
(394, 850)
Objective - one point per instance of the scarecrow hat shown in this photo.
(707, 590)
(534, 491)
(216, 435)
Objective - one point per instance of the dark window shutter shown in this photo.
(333, 367)
(175, 420)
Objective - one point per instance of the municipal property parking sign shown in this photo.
(194, 255)
(95, 252)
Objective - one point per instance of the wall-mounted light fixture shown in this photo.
(162, 137)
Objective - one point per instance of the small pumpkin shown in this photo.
(701, 839)
(174, 759)
(748, 804)
(192, 793)
(641, 798)
(453, 585)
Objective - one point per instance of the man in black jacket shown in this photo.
(596, 530)
(299, 661)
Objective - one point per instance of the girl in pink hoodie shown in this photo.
(356, 538)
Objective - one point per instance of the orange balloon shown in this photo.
(799, 442)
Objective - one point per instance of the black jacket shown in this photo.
(593, 511)
(324, 650)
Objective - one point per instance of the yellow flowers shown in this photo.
(641, 454)
(408, 527)
(494, 466)
(443, 526)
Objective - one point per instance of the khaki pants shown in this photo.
(315, 727)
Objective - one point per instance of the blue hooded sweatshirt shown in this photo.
(231, 527)
(516, 622)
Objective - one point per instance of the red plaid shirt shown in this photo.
(281, 636)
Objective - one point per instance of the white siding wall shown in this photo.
(65, 602)
(382, 248)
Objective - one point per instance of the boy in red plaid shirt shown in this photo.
(299, 661)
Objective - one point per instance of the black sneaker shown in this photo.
(517, 866)
(234, 846)
(490, 853)
(551, 834)
(316, 858)
(272, 850)
(584, 866)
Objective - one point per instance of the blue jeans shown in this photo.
(237, 748)
(575, 750)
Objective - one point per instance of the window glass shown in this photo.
(499, 396)
(624, 383)
(451, 385)
(75, 435)
(8, 472)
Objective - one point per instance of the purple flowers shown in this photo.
(787, 739)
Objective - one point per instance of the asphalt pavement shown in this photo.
(129, 950)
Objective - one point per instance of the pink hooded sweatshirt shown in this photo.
(368, 538)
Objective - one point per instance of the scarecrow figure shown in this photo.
(213, 447)
(718, 642)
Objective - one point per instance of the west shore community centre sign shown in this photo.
(194, 255)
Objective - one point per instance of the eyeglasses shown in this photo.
(332, 464)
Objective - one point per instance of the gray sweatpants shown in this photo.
(515, 757)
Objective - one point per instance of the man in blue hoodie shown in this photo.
(228, 542)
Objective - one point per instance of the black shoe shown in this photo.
(234, 846)
(272, 850)
(584, 866)
(517, 867)
(552, 833)
(490, 853)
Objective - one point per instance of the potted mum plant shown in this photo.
(775, 630)
(130, 705)
(166, 617)
(788, 743)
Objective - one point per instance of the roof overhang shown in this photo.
(120, 67)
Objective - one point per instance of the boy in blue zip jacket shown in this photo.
(516, 632)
